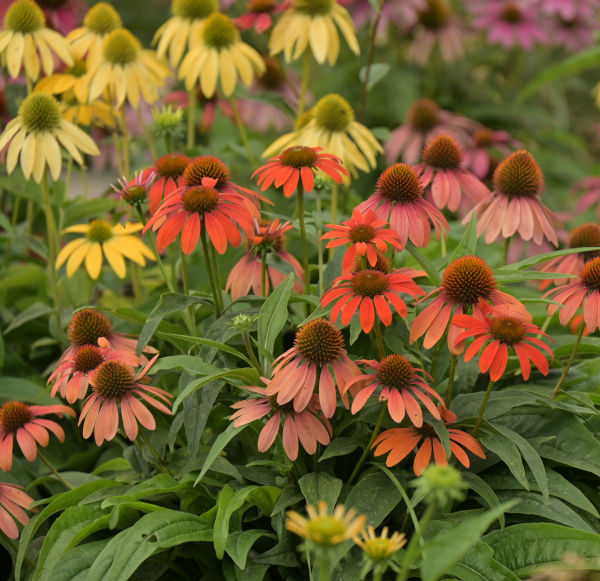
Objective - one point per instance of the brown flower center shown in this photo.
(519, 175)
(507, 330)
(436, 15)
(87, 326)
(13, 415)
(395, 371)
(88, 357)
(483, 137)
(267, 240)
(590, 275)
(382, 264)
(427, 431)
(586, 235)
(319, 342)
(298, 156)
(258, 6)
(272, 79)
(443, 152)
(200, 199)
(171, 165)
(511, 13)
(206, 166)
(362, 233)
(400, 183)
(113, 379)
(369, 283)
(468, 279)
(423, 115)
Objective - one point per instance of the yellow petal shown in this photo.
(134, 249)
(210, 73)
(39, 161)
(67, 250)
(77, 257)
(30, 56)
(228, 72)
(93, 260)
(319, 39)
(115, 260)
(14, 149)
(77, 229)
(128, 228)
(14, 54)
(28, 155)
(46, 55)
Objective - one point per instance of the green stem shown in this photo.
(29, 216)
(147, 134)
(370, 54)
(305, 81)
(191, 120)
(488, 392)
(54, 471)
(413, 549)
(125, 143)
(136, 283)
(242, 130)
(250, 351)
(217, 272)
(324, 572)
(443, 247)
(320, 244)
(379, 338)
(161, 463)
(263, 273)
(569, 362)
(185, 275)
(505, 250)
(451, 373)
(333, 207)
(365, 453)
(211, 278)
(300, 192)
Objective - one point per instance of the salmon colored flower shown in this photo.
(298, 164)
(403, 386)
(479, 151)
(366, 235)
(307, 426)
(12, 502)
(582, 292)
(268, 239)
(589, 191)
(318, 348)
(24, 423)
(258, 15)
(497, 334)
(514, 206)
(115, 385)
(398, 198)
(168, 170)
(370, 292)
(467, 282)
(443, 175)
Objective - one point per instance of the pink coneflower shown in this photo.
(425, 120)
(514, 206)
(135, 192)
(575, 33)
(401, 13)
(589, 191)
(479, 152)
(308, 426)
(570, 9)
(370, 292)
(466, 283)
(258, 15)
(510, 22)
(115, 385)
(403, 386)
(12, 502)
(398, 199)
(62, 15)
(24, 423)
(366, 234)
(269, 239)
(444, 176)
(318, 346)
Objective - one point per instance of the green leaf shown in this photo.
(159, 484)
(374, 486)
(15, 388)
(228, 502)
(273, 315)
(525, 547)
(377, 73)
(484, 490)
(428, 266)
(192, 364)
(195, 414)
(479, 565)
(288, 497)
(468, 242)
(340, 447)
(31, 313)
(320, 486)
(537, 259)
(508, 452)
(75, 564)
(218, 446)
(23, 275)
(203, 341)
(505, 275)
(239, 544)
(198, 383)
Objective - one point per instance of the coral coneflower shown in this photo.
(466, 283)
(480, 148)
(398, 198)
(168, 173)
(313, 23)
(443, 174)
(100, 20)
(370, 292)
(514, 206)
(258, 15)
(366, 234)
(24, 423)
(403, 386)
(318, 346)
(307, 427)
(115, 385)
(12, 502)
(298, 164)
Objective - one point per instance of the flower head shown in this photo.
(137, 191)
(24, 423)
(100, 20)
(168, 177)
(442, 484)
(382, 547)
(168, 122)
(588, 190)
(258, 15)
(479, 151)
(12, 502)
(36, 135)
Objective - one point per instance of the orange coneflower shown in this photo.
(168, 170)
(12, 498)
(23, 422)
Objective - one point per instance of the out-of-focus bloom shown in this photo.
(307, 23)
(398, 198)
(582, 292)
(220, 54)
(569, 9)
(510, 22)
(298, 164)
(425, 120)
(168, 171)
(323, 528)
(484, 142)
(26, 41)
(306, 427)
(116, 242)
(403, 14)
(63, 15)
(366, 235)
(382, 547)
(514, 206)
(330, 124)
(438, 25)
(183, 29)
(24, 423)
(258, 15)
(466, 283)
(137, 191)
(441, 484)
(403, 386)
(12, 502)
(268, 238)
(443, 174)
(115, 385)
(497, 334)
(36, 135)
(574, 34)
(167, 123)
(588, 190)
(370, 292)
(317, 347)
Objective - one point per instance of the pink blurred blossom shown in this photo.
(478, 154)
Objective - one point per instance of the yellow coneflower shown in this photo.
(35, 137)
(313, 22)
(126, 70)
(100, 20)
(220, 53)
(379, 548)
(183, 28)
(26, 41)
(115, 241)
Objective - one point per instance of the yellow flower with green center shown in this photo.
(220, 54)
(116, 242)
(183, 29)
(126, 70)
(25, 40)
(380, 548)
(36, 135)
(313, 23)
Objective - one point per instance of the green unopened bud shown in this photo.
(168, 122)
(441, 484)
(243, 323)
